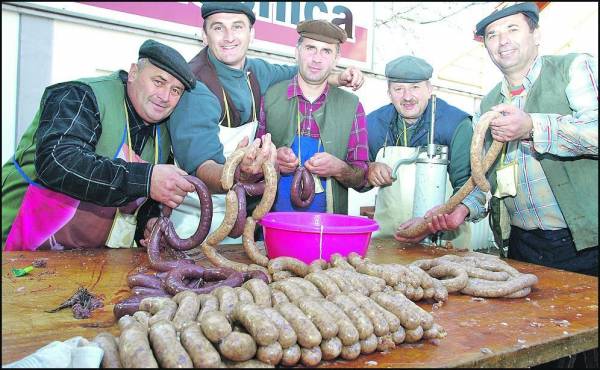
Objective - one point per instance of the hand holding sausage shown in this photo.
(168, 186)
(287, 160)
(513, 124)
(260, 150)
(325, 165)
(380, 174)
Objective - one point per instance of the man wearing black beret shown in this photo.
(221, 112)
(95, 151)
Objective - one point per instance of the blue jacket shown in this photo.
(447, 119)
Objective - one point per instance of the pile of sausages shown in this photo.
(288, 322)
(478, 275)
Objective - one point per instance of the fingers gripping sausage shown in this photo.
(238, 227)
(303, 188)
(206, 208)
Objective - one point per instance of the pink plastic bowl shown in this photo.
(297, 234)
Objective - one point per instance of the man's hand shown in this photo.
(350, 77)
(260, 150)
(380, 174)
(514, 124)
(287, 160)
(439, 222)
(325, 165)
(167, 185)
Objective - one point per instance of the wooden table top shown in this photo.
(558, 318)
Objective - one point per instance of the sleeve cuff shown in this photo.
(476, 210)
(138, 179)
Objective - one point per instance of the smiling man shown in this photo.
(405, 123)
(549, 125)
(94, 152)
(222, 111)
(316, 125)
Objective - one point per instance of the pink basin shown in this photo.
(299, 234)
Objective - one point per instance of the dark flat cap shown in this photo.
(408, 69)
(529, 9)
(212, 7)
(322, 30)
(169, 60)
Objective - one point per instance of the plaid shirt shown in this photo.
(534, 206)
(68, 132)
(358, 147)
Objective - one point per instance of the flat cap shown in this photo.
(322, 30)
(408, 69)
(212, 7)
(169, 60)
(529, 9)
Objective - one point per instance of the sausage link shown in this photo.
(215, 326)
(277, 296)
(250, 247)
(166, 346)
(371, 309)
(270, 354)
(399, 335)
(338, 261)
(319, 316)
(227, 299)
(344, 285)
(303, 184)
(331, 348)
(287, 336)
(208, 303)
(351, 309)
(134, 347)
(291, 355)
(308, 335)
(256, 322)
(282, 275)
(238, 227)
(200, 349)
(426, 320)
(351, 352)
(187, 310)
(108, 343)
(413, 335)
(347, 332)
(143, 318)
(260, 291)
(369, 344)
(436, 331)
(268, 197)
(291, 290)
(145, 280)
(237, 346)
(310, 357)
(291, 264)
(232, 162)
(408, 317)
(244, 295)
(161, 308)
(309, 288)
(323, 282)
(385, 343)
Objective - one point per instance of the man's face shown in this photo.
(228, 36)
(316, 60)
(511, 44)
(154, 93)
(410, 99)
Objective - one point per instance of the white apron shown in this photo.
(394, 203)
(187, 216)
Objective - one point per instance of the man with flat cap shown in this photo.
(316, 125)
(222, 112)
(94, 152)
(549, 124)
(397, 129)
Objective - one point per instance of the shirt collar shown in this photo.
(528, 81)
(295, 90)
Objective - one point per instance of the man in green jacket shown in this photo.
(95, 151)
(546, 179)
(316, 125)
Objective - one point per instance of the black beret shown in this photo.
(169, 60)
(212, 7)
(408, 69)
(322, 30)
(529, 9)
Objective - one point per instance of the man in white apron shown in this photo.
(221, 112)
(397, 130)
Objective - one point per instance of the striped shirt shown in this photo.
(66, 161)
(358, 147)
(534, 206)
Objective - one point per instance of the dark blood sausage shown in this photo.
(149, 292)
(154, 248)
(238, 227)
(206, 208)
(254, 189)
(255, 274)
(145, 280)
(127, 306)
(213, 277)
(303, 188)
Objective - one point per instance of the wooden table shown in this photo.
(559, 317)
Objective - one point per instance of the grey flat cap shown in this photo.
(408, 68)
(212, 7)
(169, 60)
(529, 9)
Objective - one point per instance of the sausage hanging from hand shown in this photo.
(302, 191)
(154, 249)
(238, 227)
(206, 208)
